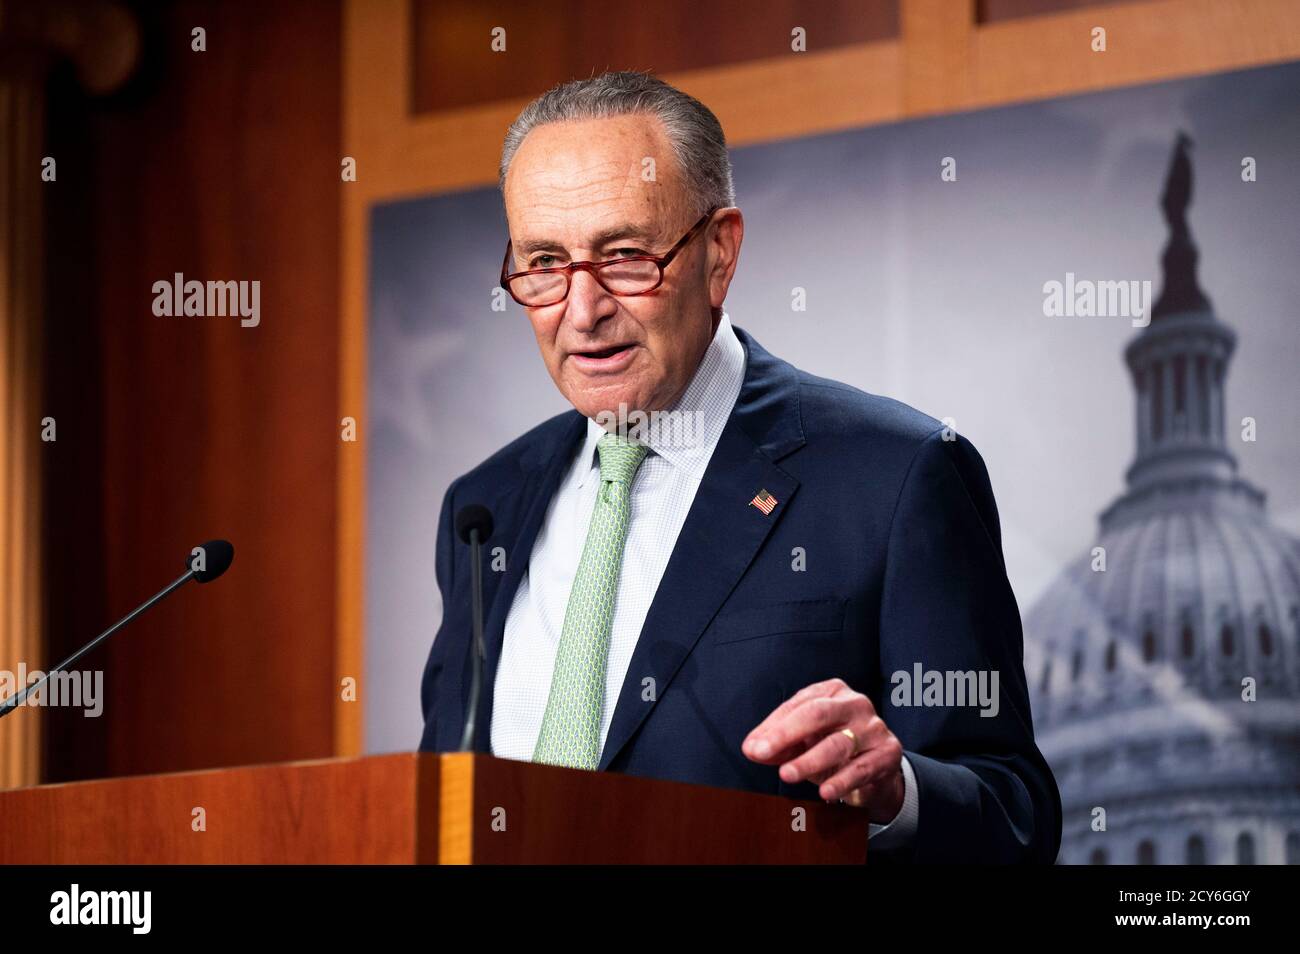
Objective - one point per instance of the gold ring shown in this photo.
(852, 738)
(854, 798)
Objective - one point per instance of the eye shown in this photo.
(542, 261)
(629, 251)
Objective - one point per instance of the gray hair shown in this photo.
(695, 134)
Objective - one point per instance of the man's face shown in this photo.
(575, 192)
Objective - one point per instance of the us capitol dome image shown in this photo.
(1166, 686)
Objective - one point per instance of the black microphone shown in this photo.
(209, 562)
(474, 526)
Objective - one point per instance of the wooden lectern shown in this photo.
(417, 808)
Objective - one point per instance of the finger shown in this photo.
(760, 733)
(874, 766)
(812, 718)
(860, 797)
(873, 734)
(836, 749)
(827, 755)
(812, 721)
(827, 688)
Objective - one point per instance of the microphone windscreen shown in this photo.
(217, 557)
(474, 517)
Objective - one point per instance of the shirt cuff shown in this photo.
(899, 831)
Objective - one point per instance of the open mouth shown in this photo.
(604, 361)
(604, 352)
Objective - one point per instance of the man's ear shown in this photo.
(725, 235)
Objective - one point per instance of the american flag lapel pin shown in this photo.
(764, 502)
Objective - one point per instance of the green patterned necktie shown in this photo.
(571, 727)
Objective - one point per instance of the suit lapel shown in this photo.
(722, 534)
(543, 467)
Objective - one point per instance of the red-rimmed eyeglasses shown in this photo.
(630, 275)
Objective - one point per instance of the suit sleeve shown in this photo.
(986, 794)
(444, 569)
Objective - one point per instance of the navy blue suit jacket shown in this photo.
(904, 565)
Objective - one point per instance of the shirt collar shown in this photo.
(686, 435)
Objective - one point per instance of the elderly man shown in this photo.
(781, 596)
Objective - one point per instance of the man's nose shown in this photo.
(588, 302)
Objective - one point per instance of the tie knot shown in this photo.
(619, 458)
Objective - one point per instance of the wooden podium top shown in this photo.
(417, 808)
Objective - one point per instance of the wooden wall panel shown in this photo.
(222, 165)
(991, 11)
(454, 64)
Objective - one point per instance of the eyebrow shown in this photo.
(643, 232)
